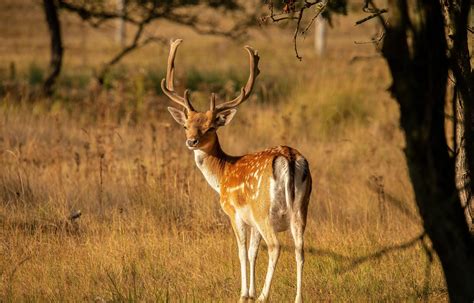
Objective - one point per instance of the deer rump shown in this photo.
(289, 187)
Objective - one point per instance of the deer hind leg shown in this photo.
(255, 238)
(298, 221)
(239, 228)
(297, 231)
(270, 237)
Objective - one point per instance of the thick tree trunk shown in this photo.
(463, 178)
(415, 49)
(456, 14)
(54, 26)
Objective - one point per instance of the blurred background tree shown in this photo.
(54, 26)
(230, 18)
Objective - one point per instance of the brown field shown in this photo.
(151, 228)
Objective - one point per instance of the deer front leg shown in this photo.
(239, 228)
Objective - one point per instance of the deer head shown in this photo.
(200, 127)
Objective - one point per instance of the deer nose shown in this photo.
(192, 142)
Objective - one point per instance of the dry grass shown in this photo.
(152, 229)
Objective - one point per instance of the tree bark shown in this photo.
(415, 50)
(54, 26)
(456, 14)
(463, 178)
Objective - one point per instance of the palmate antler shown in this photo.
(167, 85)
(244, 91)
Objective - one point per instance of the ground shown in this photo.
(151, 228)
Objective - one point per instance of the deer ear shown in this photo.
(224, 117)
(178, 115)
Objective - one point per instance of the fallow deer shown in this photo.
(266, 192)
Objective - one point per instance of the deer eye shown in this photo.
(185, 127)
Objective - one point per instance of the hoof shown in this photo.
(261, 298)
(243, 299)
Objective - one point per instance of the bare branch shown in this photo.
(134, 45)
(366, 8)
(374, 10)
(273, 15)
(88, 15)
(375, 40)
(237, 30)
(322, 4)
(295, 35)
(382, 11)
(141, 16)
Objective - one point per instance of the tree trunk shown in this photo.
(463, 179)
(120, 34)
(320, 35)
(415, 50)
(54, 26)
(456, 14)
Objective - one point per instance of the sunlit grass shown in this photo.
(151, 228)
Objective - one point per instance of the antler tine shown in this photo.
(245, 92)
(167, 85)
(213, 102)
(170, 67)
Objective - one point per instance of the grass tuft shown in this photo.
(151, 228)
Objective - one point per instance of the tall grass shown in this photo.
(152, 229)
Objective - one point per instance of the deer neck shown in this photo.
(212, 161)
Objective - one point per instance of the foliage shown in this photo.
(335, 7)
(35, 74)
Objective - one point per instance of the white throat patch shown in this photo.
(211, 178)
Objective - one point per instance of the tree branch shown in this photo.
(323, 6)
(143, 14)
(208, 28)
(289, 10)
(57, 50)
(87, 14)
(375, 10)
(295, 35)
(382, 11)
(136, 43)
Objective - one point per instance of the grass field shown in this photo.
(151, 228)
